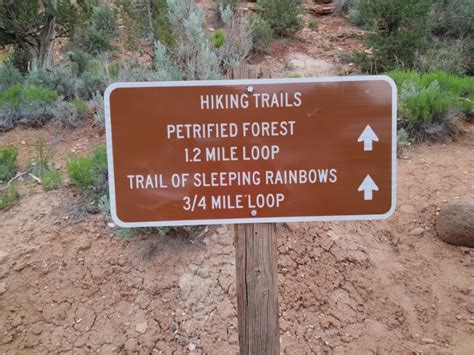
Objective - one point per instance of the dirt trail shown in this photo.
(359, 287)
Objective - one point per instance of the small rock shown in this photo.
(427, 341)
(3, 287)
(470, 321)
(192, 347)
(455, 222)
(111, 225)
(417, 232)
(142, 327)
(3, 256)
(83, 244)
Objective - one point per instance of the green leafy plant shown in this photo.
(460, 89)
(51, 180)
(80, 106)
(313, 24)
(19, 94)
(9, 197)
(89, 173)
(428, 111)
(284, 16)
(8, 164)
(218, 38)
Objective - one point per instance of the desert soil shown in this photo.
(360, 287)
(72, 286)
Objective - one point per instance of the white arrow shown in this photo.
(368, 186)
(368, 136)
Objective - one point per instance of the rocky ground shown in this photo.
(360, 287)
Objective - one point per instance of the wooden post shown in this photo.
(256, 273)
(257, 289)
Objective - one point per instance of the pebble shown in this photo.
(427, 341)
(3, 287)
(142, 327)
(83, 244)
(192, 347)
(3, 256)
(111, 225)
(417, 232)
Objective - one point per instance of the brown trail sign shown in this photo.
(247, 151)
(252, 151)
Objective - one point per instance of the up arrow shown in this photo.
(368, 136)
(368, 186)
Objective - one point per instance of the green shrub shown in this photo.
(403, 139)
(426, 111)
(89, 173)
(89, 84)
(459, 88)
(58, 79)
(9, 197)
(456, 18)
(28, 105)
(262, 33)
(238, 39)
(447, 55)
(51, 180)
(80, 61)
(313, 24)
(284, 16)
(431, 102)
(218, 38)
(9, 75)
(81, 106)
(193, 57)
(100, 31)
(19, 94)
(455, 25)
(8, 164)
(399, 29)
(68, 114)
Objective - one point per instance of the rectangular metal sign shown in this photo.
(249, 151)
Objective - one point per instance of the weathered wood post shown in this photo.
(257, 288)
(256, 273)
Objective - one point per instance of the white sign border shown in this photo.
(329, 218)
